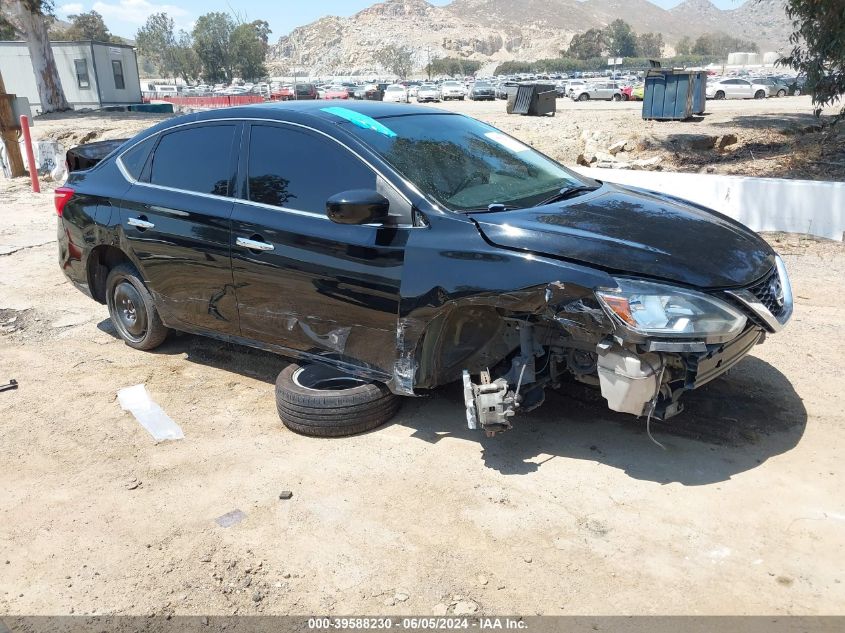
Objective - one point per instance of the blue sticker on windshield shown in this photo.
(361, 120)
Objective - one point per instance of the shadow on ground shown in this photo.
(729, 426)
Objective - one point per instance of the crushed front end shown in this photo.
(642, 343)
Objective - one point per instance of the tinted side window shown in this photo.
(135, 159)
(195, 159)
(301, 170)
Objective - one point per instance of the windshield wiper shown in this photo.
(495, 207)
(567, 192)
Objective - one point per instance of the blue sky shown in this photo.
(123, 17)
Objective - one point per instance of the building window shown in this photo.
(117, 70)
(82, 73)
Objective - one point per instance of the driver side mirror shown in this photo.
(358, 206)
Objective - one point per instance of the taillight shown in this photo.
(63, 194)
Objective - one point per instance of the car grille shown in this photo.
(770, 293)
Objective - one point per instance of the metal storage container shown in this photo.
(668, 95)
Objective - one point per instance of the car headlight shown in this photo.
(660, 310)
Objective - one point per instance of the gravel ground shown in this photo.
(575, 511)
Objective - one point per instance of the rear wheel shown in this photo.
(319, 400)
(617, 97)
(720, 95)
(760, 94)
(132, 309)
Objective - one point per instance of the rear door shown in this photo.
(304, 282)
(176, 222)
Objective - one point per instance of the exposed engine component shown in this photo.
(629, 382)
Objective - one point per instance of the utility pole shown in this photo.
(428, 66)
(8, 130)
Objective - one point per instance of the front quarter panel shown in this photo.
(456, 288)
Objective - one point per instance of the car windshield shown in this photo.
(395, 89)
(462, 163)
(451, 84)
(483, 84)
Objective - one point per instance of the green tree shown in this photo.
(721, 44)
(248, 49)
(212, 39)
(85, 26)
(185, 60)
(587, 45)
(156, 41)
(453, 66)
(31, 17)
(620, 39)
(684, 46)
(650, 45)
(398, 60)
(818, 48)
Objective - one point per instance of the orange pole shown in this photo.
(30, 157)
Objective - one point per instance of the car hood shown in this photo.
(637, 232)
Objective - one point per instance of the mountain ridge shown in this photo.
(493, 31)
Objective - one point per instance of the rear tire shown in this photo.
(318, 400)
(132, 309)
(720, 95)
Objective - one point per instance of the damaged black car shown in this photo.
(389, 249)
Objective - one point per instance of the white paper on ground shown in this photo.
(151, 416)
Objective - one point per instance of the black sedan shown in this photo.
(391, 249)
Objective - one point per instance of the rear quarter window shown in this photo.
(135, 159)
(197, 159)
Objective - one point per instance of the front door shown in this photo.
(176, 222)
(302, 281)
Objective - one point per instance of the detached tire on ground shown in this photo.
(318, 400)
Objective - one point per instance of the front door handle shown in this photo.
(140, 223)
(254, 245)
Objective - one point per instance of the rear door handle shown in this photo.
(141, 224)
(254, 245)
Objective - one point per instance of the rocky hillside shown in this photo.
(499, 30)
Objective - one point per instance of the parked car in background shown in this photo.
(774, 87)
(305, 91)
(482, 91)
(428, 92)
(452, 90)
(603, 90)
(735, 88)
(282, 93)
(359, 91)
(395, 93)
(336, 92)
(638, 92)
(573, 85)
(502, 88)
(318, 233)
(375, 91)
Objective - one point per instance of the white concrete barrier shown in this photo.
(763, 204)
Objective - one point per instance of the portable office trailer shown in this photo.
(93, 74)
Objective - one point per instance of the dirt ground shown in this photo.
(575, 511)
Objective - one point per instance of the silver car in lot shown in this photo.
(452, 90)
(774, 87)
(607, 90)
(428, 92)
(735, 88)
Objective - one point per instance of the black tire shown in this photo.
(583, 97)
(720, 95)
(310, 402)
(781, 92)
(760, 94)
(617, 97)
(132, 309)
